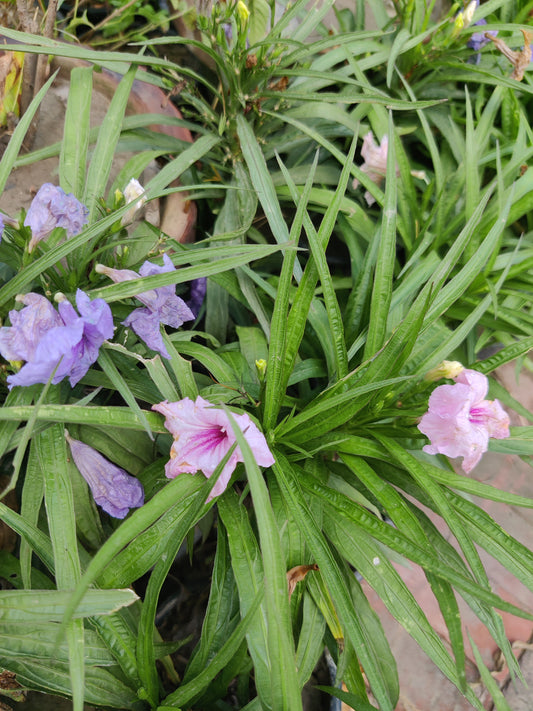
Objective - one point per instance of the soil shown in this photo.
(24, 182)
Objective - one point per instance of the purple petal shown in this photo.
(197, 295)
(19, 341)
(112, 488)
(55, 347)
(147, 326)
(162, 305)
(478, 40)
(52, 207)
(97, 319)
(46, 339)
(174, 312)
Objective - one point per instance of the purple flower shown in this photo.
(203, 436)
(28, 326)
(161, 305)
(197, 295)
(51, 208)
(112, 488)
(478, 39)
(47, 340)
(228, 31)
(459, 421)
(1, 226)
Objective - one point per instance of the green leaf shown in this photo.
(145, 649)
(108, 136)
(381, 676)
(386, 257)
(285, 689)
(186, 692)
(284, 342)
(248, 570)
(121, 386)
(50, 605)
(90, 415)
(500, 703)
(53, 677)
(73, 157)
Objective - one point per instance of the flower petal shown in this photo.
(112, 488)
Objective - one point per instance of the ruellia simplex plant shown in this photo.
(294, 383)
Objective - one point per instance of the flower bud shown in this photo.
(261, 366)
(446, 369)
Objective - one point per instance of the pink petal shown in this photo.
(477, 382)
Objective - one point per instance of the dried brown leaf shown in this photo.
(298, 573)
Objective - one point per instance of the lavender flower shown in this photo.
(459, 421)
(64, 342)
(203, 436)
(28, 326)
(197, 295)
(161, 305)
(1, 226)
(375, 162)
(479, 39)
(52, 207)
(112, 488)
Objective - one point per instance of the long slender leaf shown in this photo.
(73, 157)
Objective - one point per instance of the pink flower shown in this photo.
(459, 421)
(375, 165)
(203, 436)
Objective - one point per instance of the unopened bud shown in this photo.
(261, 366)
(242, 12)
(446, 369)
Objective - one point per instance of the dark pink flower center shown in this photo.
(210, 438)
(478, 415)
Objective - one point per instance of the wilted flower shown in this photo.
(133, 191)
(161, 305)
(52, 207)
(48, 341)
(203, 435)
(459, 421)
(375, 165)
(520, 59)
(112, 488)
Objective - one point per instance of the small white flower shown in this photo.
(469, 12)
(134, 191)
